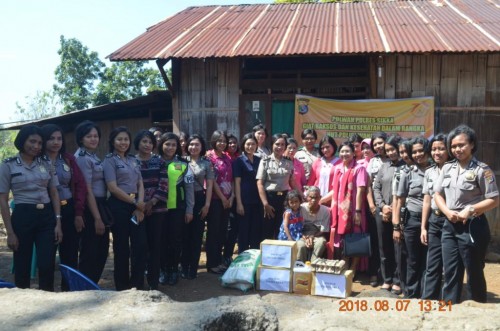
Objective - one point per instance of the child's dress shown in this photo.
(295, 225)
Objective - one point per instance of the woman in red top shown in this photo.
(222, 200)
(72, 191)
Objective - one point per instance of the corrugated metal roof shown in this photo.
(321, 28)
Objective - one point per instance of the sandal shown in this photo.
(386, 287)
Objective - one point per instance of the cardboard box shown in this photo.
(331, 285)
(278, 253)
(274, 279)
(302, 282)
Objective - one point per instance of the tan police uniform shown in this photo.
(465, 245)
(275, 175)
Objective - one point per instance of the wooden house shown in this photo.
(235, 66)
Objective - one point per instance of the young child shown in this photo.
(291, 228)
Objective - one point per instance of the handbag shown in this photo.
(356, 244)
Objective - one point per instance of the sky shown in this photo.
(31, 29)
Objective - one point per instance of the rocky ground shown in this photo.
(203, 304)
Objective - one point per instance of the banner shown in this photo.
(342, 118)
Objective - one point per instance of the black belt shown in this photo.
(39, 206)
(278, 193)
(437, 212)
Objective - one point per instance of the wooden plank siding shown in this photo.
(208, 96)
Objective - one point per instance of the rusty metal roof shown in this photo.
(321, 29)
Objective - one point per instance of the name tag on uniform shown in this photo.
(119, 166)
(65, 167)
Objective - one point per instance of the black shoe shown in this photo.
(173, 279)
(163, 278)
(185, 273)
(216, 270)
(373, 281)
(153, 287)
(396, 291)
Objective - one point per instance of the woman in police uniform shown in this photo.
(274, 180)
(94, 243)
(410, 195)
(432, 221)
(34, 186)
(124, 181)
(465, 190)
(72, 191)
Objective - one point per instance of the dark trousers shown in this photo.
(250, 227)
(464, 246)
(68, 248)
(400, 253)
(192, 237)
(93, 248)
(129, 242)
(34, 226)
(217, 220)
(172, 226)
(386, 246)
(154, 224)
(232, 233)
(415, 260)
(374, 259)
(271, 226)
(433, 273)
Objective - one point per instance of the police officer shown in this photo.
(308, 153)
(397, 236)
(34, 187)
(465, 190)
(94, 243)
(274, 179)
(432, 221)
(409, 194)
(124, 181)
(72, 190)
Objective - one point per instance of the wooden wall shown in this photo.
(134, 125)
(207, 98)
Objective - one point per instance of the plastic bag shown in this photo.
(241, 272)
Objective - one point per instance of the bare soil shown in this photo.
(207, 285)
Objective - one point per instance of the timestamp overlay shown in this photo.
(393, 305)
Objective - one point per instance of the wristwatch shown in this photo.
(472, 211)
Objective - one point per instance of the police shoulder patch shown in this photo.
(9, 159)
(489, 176)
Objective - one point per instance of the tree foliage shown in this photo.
(42, 104)
(83, 81)
(7, 148)
(125, 80)
(76, 74)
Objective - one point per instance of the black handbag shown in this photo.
(356, 244)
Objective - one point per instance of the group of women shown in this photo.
(422, 201)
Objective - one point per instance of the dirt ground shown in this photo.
(208, 285)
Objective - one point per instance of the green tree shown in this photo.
(7, 148)
(43, 104)
(76, 74)
(126, 80)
